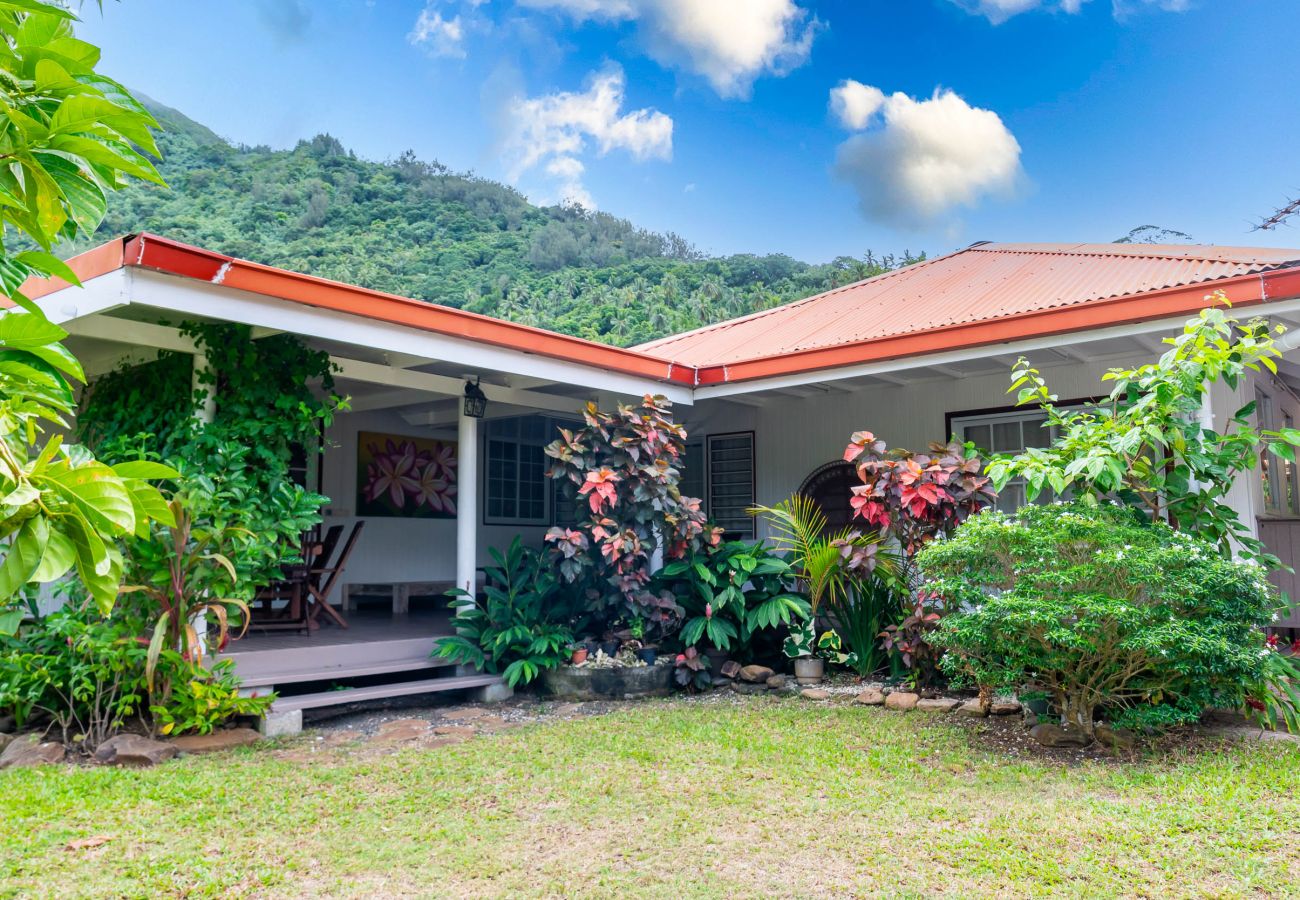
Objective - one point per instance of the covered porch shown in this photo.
(406, 367)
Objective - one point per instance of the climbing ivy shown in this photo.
(272, 395)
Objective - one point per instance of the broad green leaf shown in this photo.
(98, 492)
(23, 556)
(10, 619)
(22, 331)
(145, 469)
(60, 556)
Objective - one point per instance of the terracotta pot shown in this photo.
(809, 670)
(579, 656)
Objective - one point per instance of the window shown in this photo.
(1280, 479)
(515, 486)
(516, 490)
(731, 483)
(1007, 432)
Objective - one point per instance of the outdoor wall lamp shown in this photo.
(475, 400)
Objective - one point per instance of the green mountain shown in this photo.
(418, 229)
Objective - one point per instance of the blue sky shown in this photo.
(962, 120)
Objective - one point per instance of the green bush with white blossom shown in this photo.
(1112, 614)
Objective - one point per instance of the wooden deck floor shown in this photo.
(376, 643)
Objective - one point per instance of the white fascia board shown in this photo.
(96, 295)
(1011, 349)
(195, 298)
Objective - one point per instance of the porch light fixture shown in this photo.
(475, 401)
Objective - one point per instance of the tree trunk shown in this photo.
(1076, 713)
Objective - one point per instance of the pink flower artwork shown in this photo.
(405, 476)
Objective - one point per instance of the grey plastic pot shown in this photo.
(809, 670)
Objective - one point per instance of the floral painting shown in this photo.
(409, 477)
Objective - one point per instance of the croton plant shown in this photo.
(916, 496)
(624, 466)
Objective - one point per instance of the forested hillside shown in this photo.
(417, 229)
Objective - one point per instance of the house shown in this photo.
(769, 399)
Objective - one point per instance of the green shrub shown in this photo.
(82, 672)
(519, 629)
(729, 593)
(1104, 609)
(85, 674)
(200, 699)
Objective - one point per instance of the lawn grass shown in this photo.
(671, 799)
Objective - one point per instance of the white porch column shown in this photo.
(467, 502)
(204, 414)
(208, 408)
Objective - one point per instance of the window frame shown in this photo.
(991, 415)
(552, 424)
(711, 508)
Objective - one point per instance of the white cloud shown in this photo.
(927, 158)
(854, 103)
(553, 130)
(439, 36)
(998, 11)
(730, 43)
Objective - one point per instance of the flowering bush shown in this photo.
(624, 464)
(1104, 609)
(916, 496)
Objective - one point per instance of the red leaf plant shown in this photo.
(624, 464)
(916, 497)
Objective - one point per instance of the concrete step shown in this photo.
(382, 692)
(325, 662)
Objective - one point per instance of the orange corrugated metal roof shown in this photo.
(985, 294)
(982, 283)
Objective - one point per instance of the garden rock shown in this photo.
(815, 694)
(721, 683)
(938, 704)
(729, 669)
(749, 687)
(134, 750)
(901, 700)
(400, 730)
(973, 708)
(5, 741)
(463, 715)
(454, 731)
(776, 682)
(1050, 735)
(225, 739)
(756, 674)
(1115, 738)
(29, 751)
(871, 697)
(1005, 707)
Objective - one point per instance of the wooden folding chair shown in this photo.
(322, 577)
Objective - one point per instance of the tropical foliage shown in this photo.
(916, 497)
(842, 569)
(420, 230)
(68, 136)
(517, 629)
(731, 592)
(237, 467)
(623, 467)
(1149, 444)
(1109, 611)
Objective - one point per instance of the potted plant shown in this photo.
(647, 653)
(578, 654)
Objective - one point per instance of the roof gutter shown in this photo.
(172, 257)
(1241, 290)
